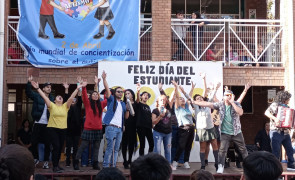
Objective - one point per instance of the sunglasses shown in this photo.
(228, 95)
(119, 91)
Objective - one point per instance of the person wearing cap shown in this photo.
(144, 123)
(186, 129)
(57, 123)
(40, 115)
(230, 125)
(114, 121)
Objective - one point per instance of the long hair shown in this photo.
(16, 162)
(132, 93)
(115, 101)
(92, 104)
(282, 97)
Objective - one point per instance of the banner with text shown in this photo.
(69, 33)
(150, 74)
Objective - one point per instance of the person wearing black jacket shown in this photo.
(74, 123)
(262, 139)
(40, 115)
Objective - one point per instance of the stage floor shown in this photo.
(180, 174)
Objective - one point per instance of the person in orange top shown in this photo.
(93, 124)
(46, 16)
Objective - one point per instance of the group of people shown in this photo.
(214, 52)
(120, 116)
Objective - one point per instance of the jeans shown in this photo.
(278, 138)
(166, 138)
(112, 134)
(225, 140)
(174, 143)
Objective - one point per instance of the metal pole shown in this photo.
(2, 20)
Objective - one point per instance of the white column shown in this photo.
(2, 20)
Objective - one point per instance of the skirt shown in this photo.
(104, 13)
(206, 134)
(90, 135)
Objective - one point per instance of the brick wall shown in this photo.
(260, 7)
(161, 37)
(256, 76)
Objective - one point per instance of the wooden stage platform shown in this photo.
(87, 173)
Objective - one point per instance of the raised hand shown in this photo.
(66, 85)
(30, 79)
(84, 83)
(225, 88)
(247, 86)
(96, 80)
(104, 75)
(138, 87)
(217, 85)
(35, 84)
(203, 75)
(80, 86)
(232, 99)
(193, 85)
(160, 86)
(79, 79)
(174, 83)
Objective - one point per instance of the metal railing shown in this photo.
(237, 42)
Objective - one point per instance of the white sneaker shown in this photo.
(46, 165)
(174, 165)
(36, 161)
(186, 165)
(220, 169)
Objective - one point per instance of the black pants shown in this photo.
(71, 141)
(57, 138)
(44, 19)
(185, 141)
(142, 133)
(40, 135)
(128, 142)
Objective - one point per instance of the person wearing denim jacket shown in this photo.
(114, 121)
(280, 136)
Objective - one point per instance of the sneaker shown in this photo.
(46, 165)
(206, 162)
(203, 167)
(220, 169)
(174, 165)
(36, 161)
(291, 167)
(186, 165)
(216, 166)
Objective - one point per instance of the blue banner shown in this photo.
(75, 33)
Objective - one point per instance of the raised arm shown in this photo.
(137, 92)
(213, 94)
(96, 83)
(66, 86)
(162, 92)
(172, 98)
(105, 84)
(42, 94)
(247, 86)
(177, 104)
(70, 100)
(203, 76)
(192, 89)
(29, 92)
(238, 109)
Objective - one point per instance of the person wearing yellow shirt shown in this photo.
(57, 123)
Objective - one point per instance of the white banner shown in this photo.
(149, 74)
